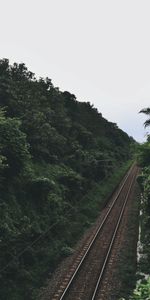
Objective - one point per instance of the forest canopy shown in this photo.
(53, 150)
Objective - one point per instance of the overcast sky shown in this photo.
(97, 49)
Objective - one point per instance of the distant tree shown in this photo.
(147, 112)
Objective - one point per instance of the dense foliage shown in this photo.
(53, 151)
(144, 180)
(142, 290)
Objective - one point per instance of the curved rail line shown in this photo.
(60, 295)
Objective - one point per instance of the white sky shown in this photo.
(97, 49)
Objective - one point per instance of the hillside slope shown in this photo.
(53, 151)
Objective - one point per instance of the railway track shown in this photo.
(83, 280)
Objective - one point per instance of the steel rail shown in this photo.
(112, 241)
(95, 236)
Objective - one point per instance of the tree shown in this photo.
(147, 112)
(13, 146)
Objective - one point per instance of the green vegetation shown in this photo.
(144, 180)
(142, 290)
(58, 164)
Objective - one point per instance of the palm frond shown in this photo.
(145, 111)
(147, 123)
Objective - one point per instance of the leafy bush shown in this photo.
(143, 154)
(66, 250)
(142, 291)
